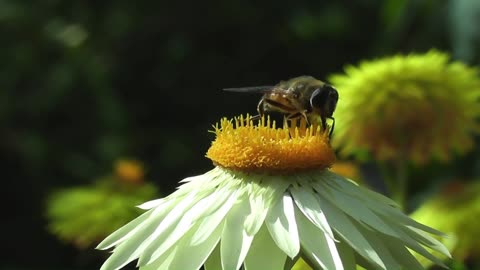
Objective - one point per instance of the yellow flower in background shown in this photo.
(456, 211)
(301, 265)
(85, 215)
(348, 169)
(417, 107)
(270, 200)
(130, 171)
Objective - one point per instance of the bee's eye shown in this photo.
(322, 95)
(318, 98)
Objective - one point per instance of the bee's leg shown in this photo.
(324, 123)
(331, 129)
(260, 110)
(260, 107)
(305, 117)
(293, 115)
(255, 117)
(298, 114)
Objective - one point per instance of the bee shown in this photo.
(302, 96)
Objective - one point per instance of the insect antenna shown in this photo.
(253, 89)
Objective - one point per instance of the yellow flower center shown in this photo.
(262, 147)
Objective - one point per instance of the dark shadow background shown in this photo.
(83, 83)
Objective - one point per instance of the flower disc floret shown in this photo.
(243, 145)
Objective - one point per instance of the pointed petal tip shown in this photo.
(101, 246)
(104, 245)
(150, 204)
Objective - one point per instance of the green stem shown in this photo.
(396, 181)
(401, 178)
(388, 180)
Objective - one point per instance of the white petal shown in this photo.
(282, 226)
(262, 196)
(353, 189)
(151, 204)
(317, 246)
(412, 240)
(124, 232)
(208, 224)
(136, 225)
(375, 201)
(201, 184)
(257, 216)
(393, 213)
(214, 262)
(191, 178)
(350, 233)
(353, 207)
(186, 256)
(361, 261)
(347, 254)
(401, 253)
(235, 241)
(136, 243)
(213, 204)
(308, 204)
(427, 240)
(264, 254)
(377, 241)
(167, 238)
(193, 257)
(408, 241)
(163, 261)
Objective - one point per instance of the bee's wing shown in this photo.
(254, 89)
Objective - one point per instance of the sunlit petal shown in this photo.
(235, 241)
(320, 250)
(344, 226)
(308, 204)
(282, 226)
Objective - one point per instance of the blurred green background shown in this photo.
(83, 83)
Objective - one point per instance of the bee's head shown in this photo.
(324, 99)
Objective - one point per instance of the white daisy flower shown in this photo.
(270, 200)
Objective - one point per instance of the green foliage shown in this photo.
(455, 210)
(86, 215)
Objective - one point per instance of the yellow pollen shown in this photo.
(262, 147)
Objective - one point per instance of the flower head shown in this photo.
(417, 107)
(459, 206)
(259, 210)
(107, 204)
